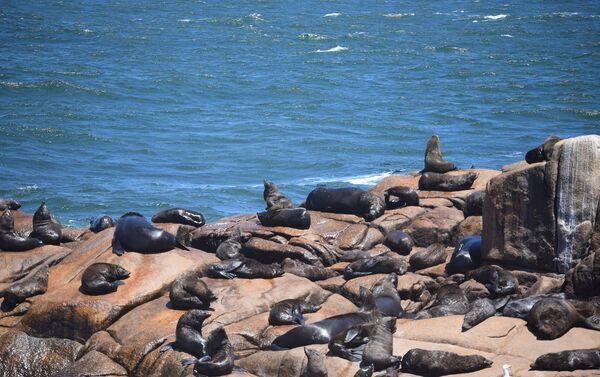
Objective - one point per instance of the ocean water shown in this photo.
(109, 107)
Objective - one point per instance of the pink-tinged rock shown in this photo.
(435, 202)
(472, 225)
(93, 364)
(397, 219)
(434, 226)
(411, 285)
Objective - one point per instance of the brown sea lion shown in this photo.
(10, 240)
(244, 268)
(219, 357)
(347, 200)
(274, 198)
(552, 318)
(497, 280)
(351, 343)
(305, 270)
(9, 204)
(100, 223)
(474, 204)
(381, 264)
(190, 292)
(431, 256)
(179, 216)
(399, 242)
(102, 278)
(297, 218)
(386, 296)
(433, 157)
(46, 228)
(289, 312)
(400, 196)
(34, 285)
(365, 371)
(568, 360)
(231, 248)
(445, 182)
(315, 364)
(481, 309)
(441, 363)
(449, 300)
(542, 152)
(378, 351)
(188, 334)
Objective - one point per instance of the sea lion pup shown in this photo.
(179, 216)
(188, 334)
(568, 360)
(441, 363)
(445, 182)
(349, 200)
(520, 307)
(466, 255)
(244, 268)
(543, 152)
(474, 204)
(496, 279)
(298, 218)
(9, 204)
(315, 364)
(289, 312)
(433, 255)
(552, 318)
(351, 343)
(381, 264)
(45, 228)
(102, 278)
(305, 270)
(400, 196)
(231, 248)
(34, 285)
(378, 351)
(481, 309)
(433, 157)
(399, 242)
(365, 371)
(190, 292)
(219, 357)
(135, 233)
(386, 296)
(100, 223)
(274, 198)
(449, 300)
(10, 240)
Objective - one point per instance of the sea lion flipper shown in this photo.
(117, 248)
(183, 238)
(186, 362)
(593, 322)
(167, 347)
(351, 334)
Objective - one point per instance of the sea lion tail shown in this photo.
(184, 237)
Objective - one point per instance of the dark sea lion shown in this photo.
(274, 198)
(381, 264)
(386, 296)
(449, 300)
(378, 351)
(552, 318)
(347, 200)
(441, 363)
(400, 196)
(496, 279)
(466, 256)
(190, 292)
(351, 343)
(354, 255)
(102, 278)
(135, 233)
(312, 273)
(188, 333)
(231, 248)
(11, 204)
(45, 228)
(520, 307)
(34, 285)
(583, 280)
(445, 182)
(297, 218)
(220, 355)
(390, 372)
(474, 204)
(542, 152)
(10, 240)
(315, 364)
(244, 268)
(432, 256)
(365, 371)
(179, 216)
(399, 242)
(481, 309)
(289, 312)
(433, 157)
(100, 223)
(568, 360)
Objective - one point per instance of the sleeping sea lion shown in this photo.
(100, 223)
(497, 280)
(315, 364)
(289, 312)
(378, 351)
(440, 363)
(386, 296)
(466, 256)
(102, 278)
(34, 285)
(231, 248)
(190, 292)
(297, 218)
(180, 216)
(381, 264)
(445, 182)
(568, 360)
(219, 355)
(552, 318)
(481, 309)
(351, 343)
(305, 270)
(244, 268)
(400, 196)
(347, 200)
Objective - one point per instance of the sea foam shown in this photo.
(334, 49)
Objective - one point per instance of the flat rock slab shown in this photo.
(15, 266)
(93, 364)
(435, 226)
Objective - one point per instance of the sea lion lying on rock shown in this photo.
(102, 278)
(190, 292)
(386, 296)
(399, 242)
(231, 248)
(315, 364)
(481, 309)
(351, 343)
(445, 182)
(552, 318)
(274, 198)
(347, 200)
(11, 204)
(432, 256)
(520, 307)
(568, 360)
(36, 284)
(440, 363)
(289, 312)
(433, 157)
(244, 268)
(497, 280)
(45, 228)
(10, 240)
(179, 216)
(298, 218)
(400, 196)
(542, 152)
(474, 204)
(381, 264)
(449, 300)
(466, 256)
(305, 270)
(365, 371)
(100, 223)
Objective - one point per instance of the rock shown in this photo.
(92, 364)
(431, 256)
(434, 226)
(398, 218)
(472, 225)
(15, 266)
(545, 285)
(435, 202)
(411, 285)
(474, 290)
(583, 280)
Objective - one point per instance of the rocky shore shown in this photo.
(539, 228)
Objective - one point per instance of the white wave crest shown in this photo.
(332, 14)
(506, 35)
(496, 17)
(334, 49)
(185, 20)
(398, 15)
(360, 180)
(29, 188)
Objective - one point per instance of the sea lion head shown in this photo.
(42, 213)
(195, 317)
(120, 273)
(372, 206)
(7, 221)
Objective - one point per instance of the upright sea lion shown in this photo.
(433, 157)
(474, 204)
(568, 360)
(378, 351)
(219, 355)
(386, 296)
(433, 255)
(244, 268)
(9, 204)
(445, 182)
(481, 309)
(289, 312)
(315, 364)
(135, 233)
(190, 292)
(312, 273)
(441, 363)
(400, 196)
(102, 278)
(496, 279)
(10, 240)
(274, 198)
(351, 343)
(552, 318)
(466, 256)
(298, 218)
(347, 200)
(381, 264)
(542, 152)
(34, 285)
(45, 228)
(231, 248)
(100, 223)
(399, 242)
(188, 333)
(179, 216)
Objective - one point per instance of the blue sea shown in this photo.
(115, 106)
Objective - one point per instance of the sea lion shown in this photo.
(431, 256)
(568, 360)
(179, 216)
(102, 278)
(496, 279)
(34, 285)
(298, 218)
(466, 256)
(351, 343)
(11, 204)
(347, 200)
(400, 196)
(356, 254)
(399, 242)
(474, 204)
(583, 280)
(543, 152)
(445, 182)
(441, 363)
(274, 198)
(305, 270)
(100, 223)
(433, 157)
(449, 300)
(231, 248)
(365, 371)
(520, 307)
(244, 268)
(315, 364)
(481, 309)
(135, 233)
(552, 318)
(219, 355)
(378, 351)
(289, 312)
(381, 264)
(10, 240)
(188, 334)
(190, 292)
(45, 228)
(386, 296)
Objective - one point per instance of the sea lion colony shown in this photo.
(364, 336)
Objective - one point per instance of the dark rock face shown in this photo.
(584, 279)
(431, 256)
